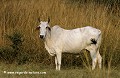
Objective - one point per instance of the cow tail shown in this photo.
(96, 41)
(99, 40)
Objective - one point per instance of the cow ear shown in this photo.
(37, 28)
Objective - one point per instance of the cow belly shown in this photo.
(71, 51)
(73, 47)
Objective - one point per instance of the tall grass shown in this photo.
(22, 15)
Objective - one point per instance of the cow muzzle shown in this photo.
(41, 36)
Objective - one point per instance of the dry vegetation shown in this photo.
(21, 16)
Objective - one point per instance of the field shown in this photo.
(22, 50)
(51, 73)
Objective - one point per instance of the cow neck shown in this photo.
(48, 37)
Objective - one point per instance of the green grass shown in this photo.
(52, 73)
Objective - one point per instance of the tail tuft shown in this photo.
(93, 41)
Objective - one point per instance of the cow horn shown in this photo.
(48, 19)
(39, 19)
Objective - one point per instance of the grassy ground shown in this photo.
(52, 73)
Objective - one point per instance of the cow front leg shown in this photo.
(58, 62)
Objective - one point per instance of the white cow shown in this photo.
(58, 40)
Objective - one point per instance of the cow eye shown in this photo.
(48, 28)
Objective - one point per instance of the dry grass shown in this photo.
(51, 73)
(22, 15)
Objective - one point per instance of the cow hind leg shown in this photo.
(93, 54)
(94, 58)
(94, 62)
(99, 58)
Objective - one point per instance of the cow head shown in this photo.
(43, 28)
